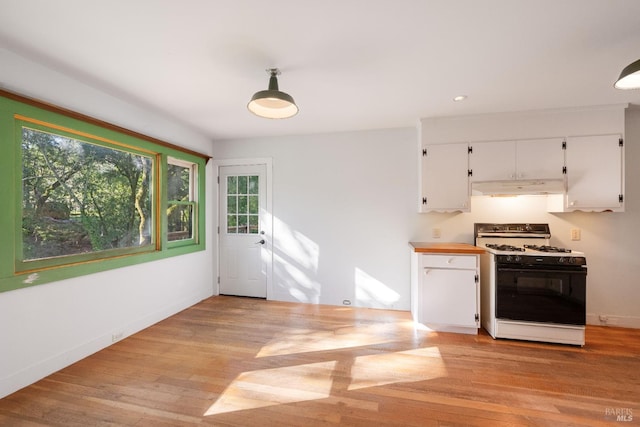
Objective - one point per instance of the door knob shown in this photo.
(261, 242)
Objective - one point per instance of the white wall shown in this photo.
(46, 327)
(344, 206)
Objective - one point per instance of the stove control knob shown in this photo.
(562, 260)
(516, 258)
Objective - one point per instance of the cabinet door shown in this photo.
(540, 159)
(448, 297)
(445, 179)
(493, 161)
(594, 172)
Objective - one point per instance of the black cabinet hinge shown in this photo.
(564, 145)
(620, 142)
(476, 278)
(470, 172)
(620, 198)
(470, 150)
(424, 152)
(564, 170)
(424, 200)
(477, 317)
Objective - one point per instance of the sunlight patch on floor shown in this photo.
(268, 387)
(405, 366)
(305, 341)
(315, 381)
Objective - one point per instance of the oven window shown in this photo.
(548, 296)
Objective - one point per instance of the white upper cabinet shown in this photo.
(540, 159)
(445, 179)
(517, 160)
(492, 161)
(595, 173)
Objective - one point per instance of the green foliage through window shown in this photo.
(79, 197)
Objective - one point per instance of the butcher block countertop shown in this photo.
(445, 248)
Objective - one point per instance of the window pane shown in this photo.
(232, 224)
(232, 204)
(79, 197)
(178, 182)
(232, 185)
(180, 220)
(242, 223)
(253, 184)
(242, 204)
(242, 185)
(253, 224)
(253, 204)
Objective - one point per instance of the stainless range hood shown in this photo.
(518, 187)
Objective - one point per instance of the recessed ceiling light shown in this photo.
(460, 98)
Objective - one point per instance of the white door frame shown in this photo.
(268, 225)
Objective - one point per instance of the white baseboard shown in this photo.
(42, 369)
(613, 320)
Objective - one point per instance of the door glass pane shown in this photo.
(232, 224)
(232, 185)
(243, 204)
(242, 185)
(253, 205)
(253, 184)
(253, 224)
(242, 224)
(232, 204)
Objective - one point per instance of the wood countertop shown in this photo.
(446, 248)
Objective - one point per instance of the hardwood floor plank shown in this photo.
(248, 362)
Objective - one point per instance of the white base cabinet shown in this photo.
(445, 292)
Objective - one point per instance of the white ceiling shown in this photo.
(349, 64)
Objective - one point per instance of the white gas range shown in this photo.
(529, 289)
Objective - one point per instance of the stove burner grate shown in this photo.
(506, 248)
(545, 248)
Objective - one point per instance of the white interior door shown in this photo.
(244, 246)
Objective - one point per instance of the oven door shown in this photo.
(549, 294)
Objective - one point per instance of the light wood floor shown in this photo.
(246, 362)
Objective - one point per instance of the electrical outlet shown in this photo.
(436, 233)
(575, 234)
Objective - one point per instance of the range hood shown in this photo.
(518, 187)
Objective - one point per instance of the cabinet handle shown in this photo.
(450, 260)
(426, 271)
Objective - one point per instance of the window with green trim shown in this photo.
(181, 199)
(81, 196)
(85, 196)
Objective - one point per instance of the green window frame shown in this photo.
(182, 200)
(25, 260)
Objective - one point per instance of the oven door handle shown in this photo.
(537, 270)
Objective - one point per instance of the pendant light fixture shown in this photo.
(271, 103)
(630, 77)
